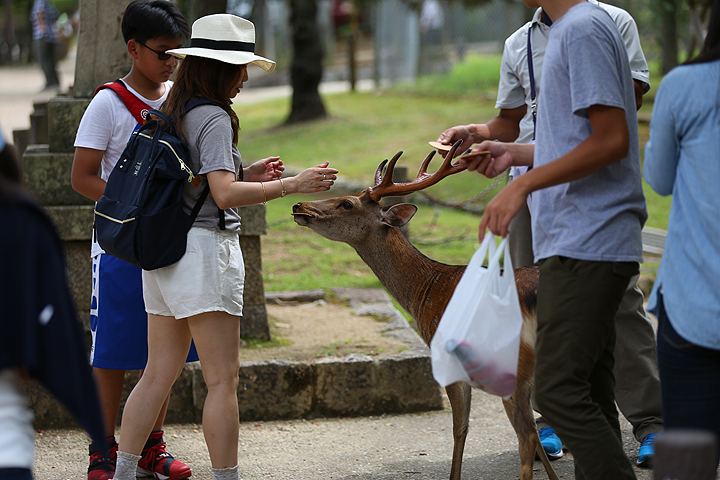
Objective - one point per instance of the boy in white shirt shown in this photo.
(117, 314)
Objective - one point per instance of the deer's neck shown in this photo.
(422, 286)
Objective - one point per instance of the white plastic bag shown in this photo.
(478, 338)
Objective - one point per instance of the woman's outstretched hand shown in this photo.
(264, 170)
(315, 179)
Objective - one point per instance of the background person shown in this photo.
(200, 297)
(42, 336)
(637, 387)
(681, 158)
(44, 17)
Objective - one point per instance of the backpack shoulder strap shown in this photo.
(135, 106)
(192, 103)
(196, 102)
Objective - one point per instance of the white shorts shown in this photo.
(210, 277)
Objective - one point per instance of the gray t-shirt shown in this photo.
(208, 132)
(599, 217)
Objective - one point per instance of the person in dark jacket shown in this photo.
(41, 335)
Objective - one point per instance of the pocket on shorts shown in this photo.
(193, 245)
(231, 264)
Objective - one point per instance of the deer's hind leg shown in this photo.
(459, 395)
(519, 412)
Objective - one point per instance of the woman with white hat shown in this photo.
(201, 296)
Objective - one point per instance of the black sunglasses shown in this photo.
(161, 55)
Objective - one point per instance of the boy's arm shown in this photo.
(84, 177)
(608, 143)
(505, 128)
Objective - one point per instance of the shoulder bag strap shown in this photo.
(135, 106)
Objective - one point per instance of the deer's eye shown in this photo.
(346, 205)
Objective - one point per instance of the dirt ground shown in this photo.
(317, 329)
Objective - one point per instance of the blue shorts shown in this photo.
(118, 320)
(15, 474)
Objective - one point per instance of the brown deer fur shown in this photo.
(423, 287)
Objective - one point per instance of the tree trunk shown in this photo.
(668, 12)
(194, 9)
(306, 69)
(698, 11)
(9, 31)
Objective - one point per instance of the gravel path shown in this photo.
(391, 447)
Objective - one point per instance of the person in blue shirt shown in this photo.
(682, 159)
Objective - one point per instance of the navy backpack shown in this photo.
(140, 217)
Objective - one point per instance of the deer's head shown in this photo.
(353, 219)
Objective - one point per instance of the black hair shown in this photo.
(147, 19)
(711, 48)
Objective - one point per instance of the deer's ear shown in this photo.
(398, 215)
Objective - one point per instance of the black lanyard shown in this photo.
(533, 101)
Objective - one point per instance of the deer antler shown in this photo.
(384, 186)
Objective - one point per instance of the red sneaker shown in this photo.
(103, 468)
(157, 463)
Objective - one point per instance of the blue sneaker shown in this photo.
(646, 451)
(551, 443)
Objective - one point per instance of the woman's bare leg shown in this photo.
(217, 340)
(168, 344)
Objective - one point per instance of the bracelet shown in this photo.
(283, 193)
(264, 193)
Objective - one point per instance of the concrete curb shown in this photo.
(354, 385)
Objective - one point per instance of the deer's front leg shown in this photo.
(459, 395)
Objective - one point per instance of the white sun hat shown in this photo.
(224, 37)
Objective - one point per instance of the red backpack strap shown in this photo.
(135, 106)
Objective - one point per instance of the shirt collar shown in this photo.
(537, 19)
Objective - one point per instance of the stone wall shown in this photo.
(356, 384)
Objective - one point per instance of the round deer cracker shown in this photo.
(472, 155)
(440, 146)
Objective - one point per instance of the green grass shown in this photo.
(363, 129)
(476, 76)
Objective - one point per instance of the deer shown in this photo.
(423, 287)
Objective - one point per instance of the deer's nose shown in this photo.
(296, 207)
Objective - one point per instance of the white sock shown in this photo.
(126, 466)
(230, 473)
